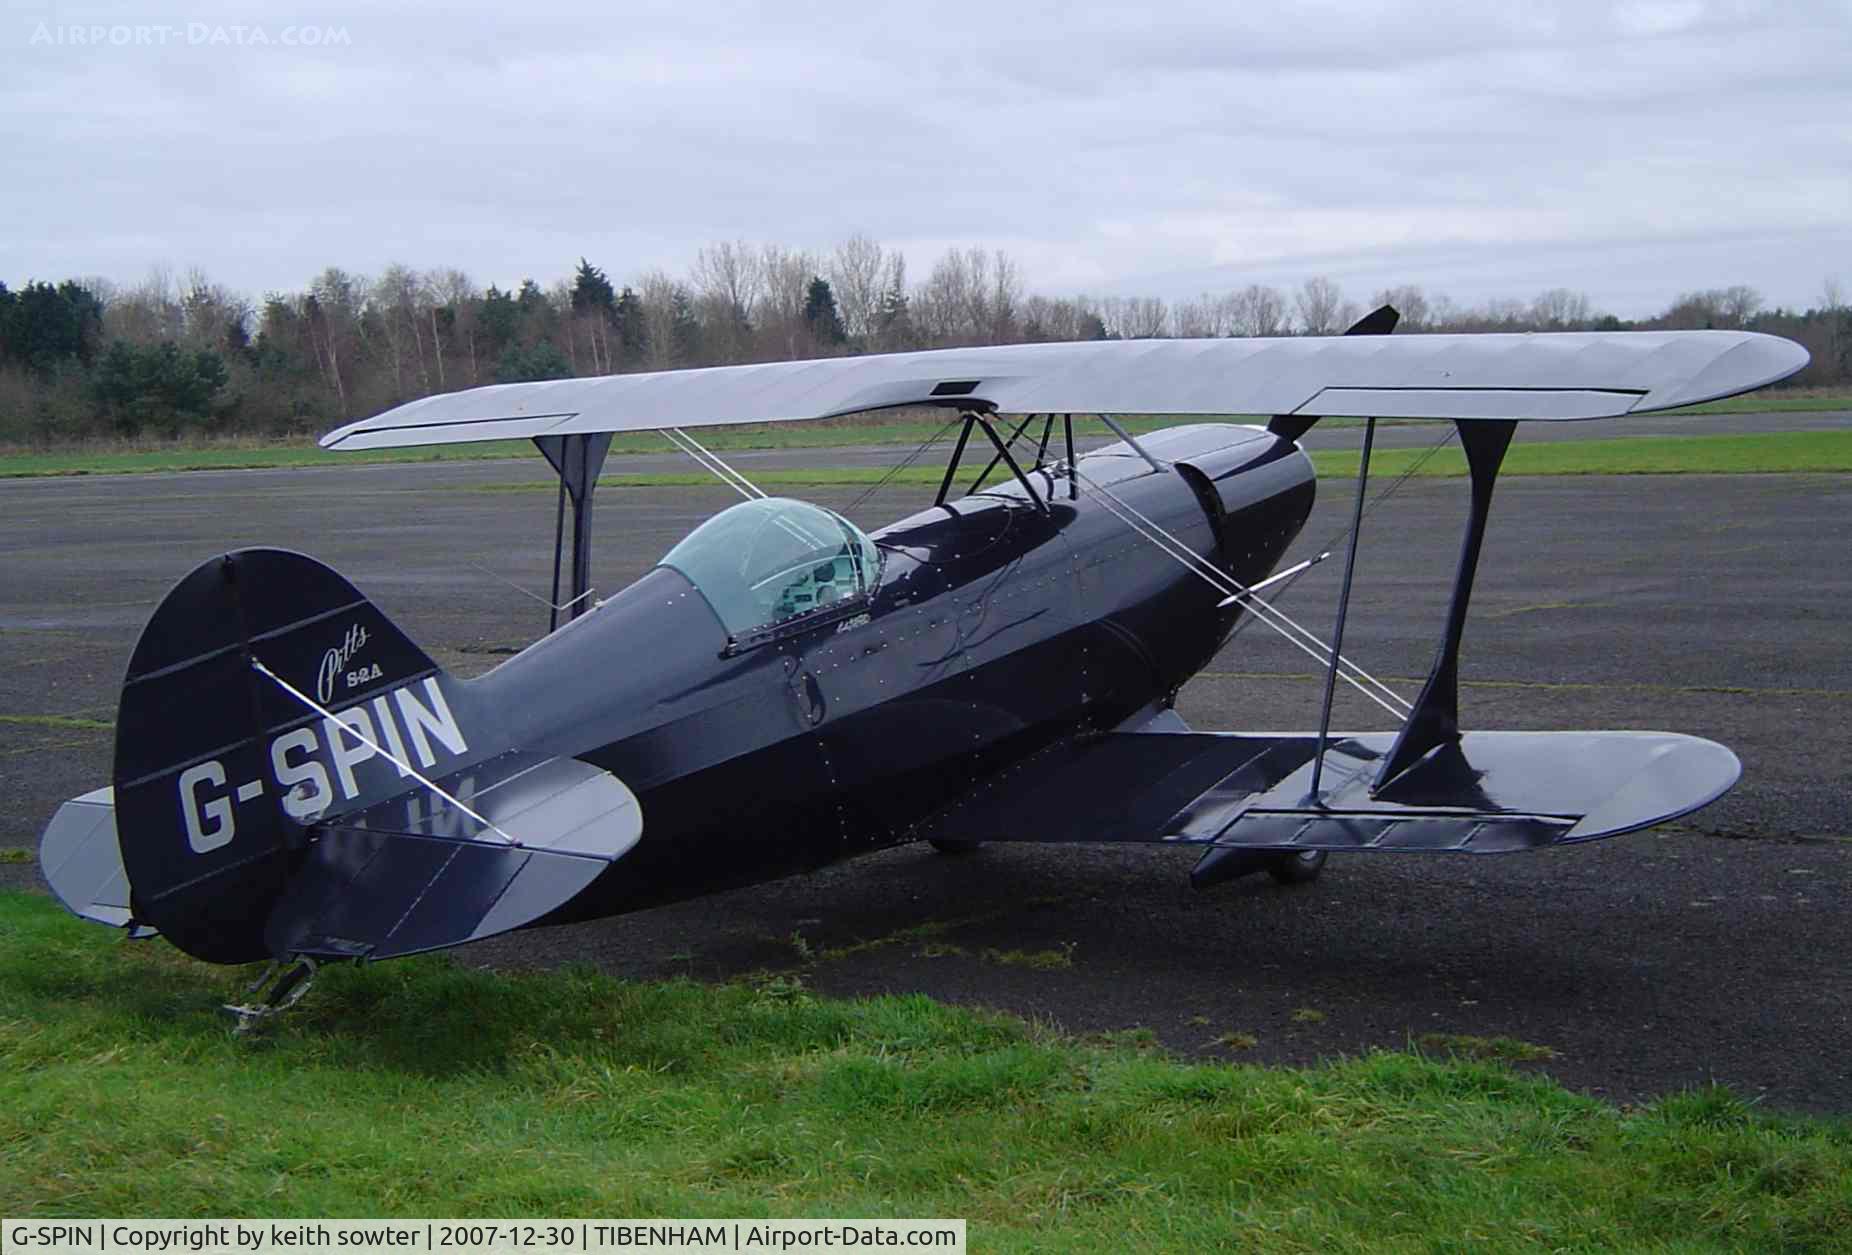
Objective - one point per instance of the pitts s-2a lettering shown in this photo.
(294, 778)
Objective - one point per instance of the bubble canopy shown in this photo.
(765, 562)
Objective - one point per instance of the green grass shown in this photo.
(1774, 453)
(60, 722)
(1037, 960)
(1794, 401)
(234, 456)
(424, 1088)
(907, 429)
(111, 459)
(1469, 1046)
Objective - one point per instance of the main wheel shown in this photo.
(1301, 868)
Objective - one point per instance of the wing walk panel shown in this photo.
(1477, 833)
(1487, 793)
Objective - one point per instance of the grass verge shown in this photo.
(1823, 452)
(1774, 452)
(423, 1088)
(1780, 401)
(108, 459)
(58, 722)
(116, 458)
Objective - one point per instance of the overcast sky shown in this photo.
(1629, 150)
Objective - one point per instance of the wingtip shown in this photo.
(1755, 360)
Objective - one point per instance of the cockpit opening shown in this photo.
(764, 563)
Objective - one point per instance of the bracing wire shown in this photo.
(1343, 533)
(1295, 633)
(1223, 582)
(258, 666)
(902, 465)
(710, 461)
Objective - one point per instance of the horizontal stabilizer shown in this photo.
(418, 873)
(81, 861)
(1486, 793)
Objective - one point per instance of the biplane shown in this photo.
(296, 780)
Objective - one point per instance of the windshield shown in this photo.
(763, 562)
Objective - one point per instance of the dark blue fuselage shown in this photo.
(997, 628)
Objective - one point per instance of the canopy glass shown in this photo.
(764, 562)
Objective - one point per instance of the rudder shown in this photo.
(221, 770)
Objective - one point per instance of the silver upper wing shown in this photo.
(1570, 375)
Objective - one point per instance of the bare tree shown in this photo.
(588, 340)
(333, 308)
(1560, 309)
(1739, 304)
(855, 272)
(972, 296)
(105, 290)
(729, 279)
(786, 281)
(1694, 310)
(454, 291)
(1838, 319)
(395, 299)
(147, 313)
(1003, 296)
(660, 295)
(1197, 319)
(430, 302)
(1319, 303)
(894, 325)
(1044, 319)
(1135, 317)
(942, 305)
(1257, 310)
(1409, 300)
(212, 315)
(1713, 307)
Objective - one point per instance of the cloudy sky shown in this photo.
(1630, 150)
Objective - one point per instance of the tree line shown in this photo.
(83, 358)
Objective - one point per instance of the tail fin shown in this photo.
(221, 770)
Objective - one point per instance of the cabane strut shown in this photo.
(577, 459)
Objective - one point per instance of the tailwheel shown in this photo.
(1299, 868)
(945, 846)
